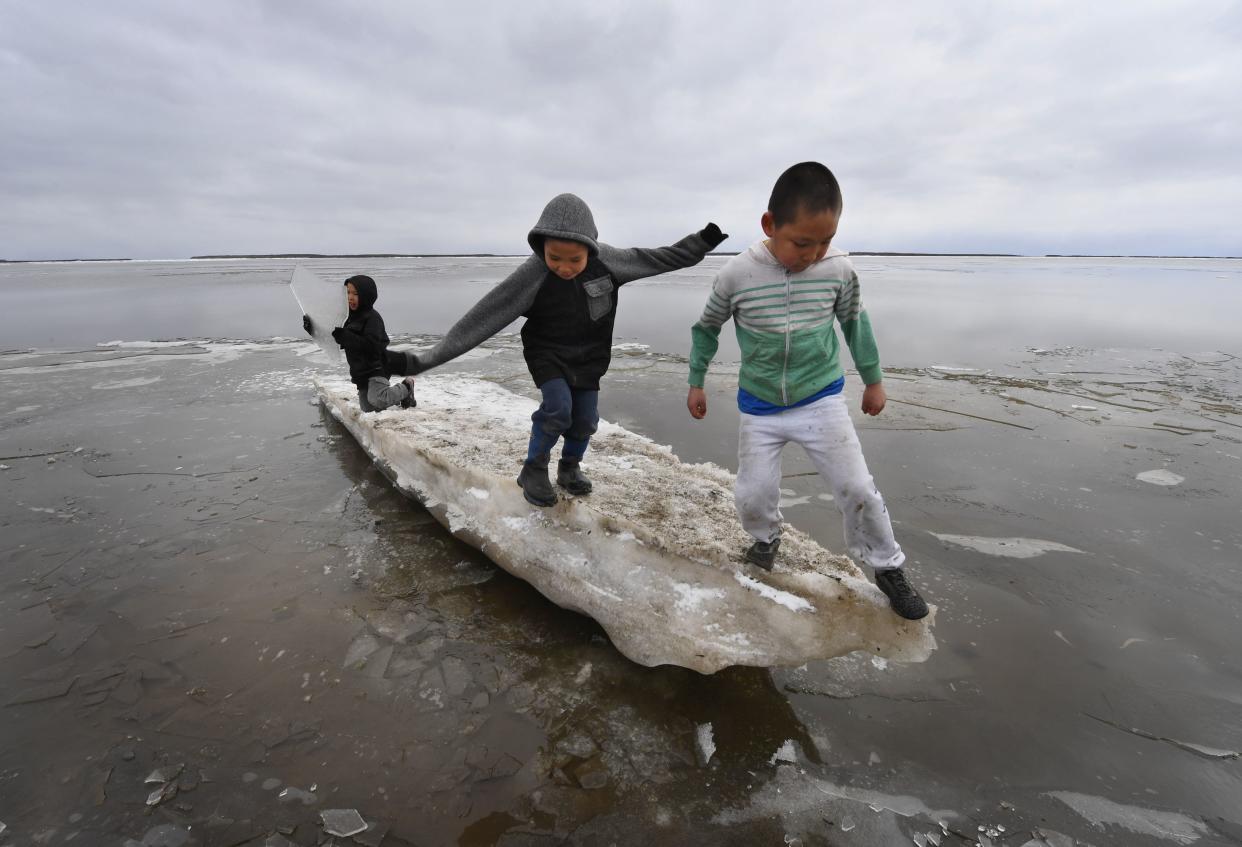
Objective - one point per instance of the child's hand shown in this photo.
(307, 324)
(874, 399)
(712, 235)
(696, 402)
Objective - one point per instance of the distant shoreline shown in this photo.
(521, 255)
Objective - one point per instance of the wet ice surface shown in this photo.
(653, 555)
(190, 617)
(177, 600)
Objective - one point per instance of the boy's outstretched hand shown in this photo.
(696, 402)
(308, 324)
(712, 235)
(874, 399)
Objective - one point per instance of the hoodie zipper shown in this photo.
(785, 365)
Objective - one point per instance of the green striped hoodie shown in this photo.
(784, 325)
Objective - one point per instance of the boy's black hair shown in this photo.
(806, 185)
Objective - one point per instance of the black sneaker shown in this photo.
(901, 594)
(763, 553)
(409, 402)
(536, 487)
(570, 477)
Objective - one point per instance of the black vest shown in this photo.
(568, 329)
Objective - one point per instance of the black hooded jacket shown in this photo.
(363, 336)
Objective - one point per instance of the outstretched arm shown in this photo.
(634, 263)
(504, 304)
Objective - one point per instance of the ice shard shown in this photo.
(323, 301)
(653, 554)
(342, 822)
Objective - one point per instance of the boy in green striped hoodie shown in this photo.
(784, 294)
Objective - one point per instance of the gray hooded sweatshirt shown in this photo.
(569, 324)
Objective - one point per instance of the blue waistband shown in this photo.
(749, 404)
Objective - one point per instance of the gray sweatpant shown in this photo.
(825, 431)
(380, 394)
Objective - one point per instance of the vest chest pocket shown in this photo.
(599, 296)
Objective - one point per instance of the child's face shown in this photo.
(802, 242)
(351, 294)
(566, 259)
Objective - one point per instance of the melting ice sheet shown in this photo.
(653, 554)
(1161, 477)
(1014, 548)
(1165, 825)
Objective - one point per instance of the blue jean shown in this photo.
(569, 412)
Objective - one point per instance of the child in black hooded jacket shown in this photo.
(366, 344)
(567, 291)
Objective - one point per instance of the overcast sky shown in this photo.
(170, 129)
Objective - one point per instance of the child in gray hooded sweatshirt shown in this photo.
(567, 291)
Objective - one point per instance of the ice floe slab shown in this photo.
(1161, 477)
(653, 554)
(1013, 548)
(1159, 824)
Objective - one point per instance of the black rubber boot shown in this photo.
(536, 486)
(763, 553)
(570, 477)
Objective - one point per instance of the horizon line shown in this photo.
(414, 255)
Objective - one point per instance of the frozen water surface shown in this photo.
(217, 515)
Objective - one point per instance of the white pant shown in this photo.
(826, 433)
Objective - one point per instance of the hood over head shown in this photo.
(568, 218)
(368, 293)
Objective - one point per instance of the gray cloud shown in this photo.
(172, 129)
